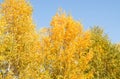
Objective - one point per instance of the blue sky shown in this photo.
(105, 13)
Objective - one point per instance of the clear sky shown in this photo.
(105, 13)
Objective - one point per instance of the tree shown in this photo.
(65, 49)
(19, 40)
(106, 56)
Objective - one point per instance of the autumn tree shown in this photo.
(19, 40)
(105, 62)
(65, 49)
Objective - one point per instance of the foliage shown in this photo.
(65, 47)
(105, 62)
(18, 36)
(62, 51)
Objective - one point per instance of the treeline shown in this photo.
(62, 51)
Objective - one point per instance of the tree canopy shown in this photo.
(62, 51)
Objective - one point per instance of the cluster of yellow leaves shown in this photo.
(17, 15)
(106, 56)
(19, 41)
(65, 47)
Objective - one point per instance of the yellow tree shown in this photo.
(105, 61)
(65, 49)
(19, 40)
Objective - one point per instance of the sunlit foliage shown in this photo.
(62, 51)
(18, 37)
(105, 62)
(65, 47)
